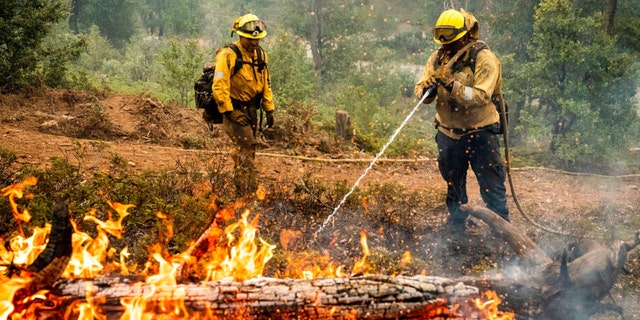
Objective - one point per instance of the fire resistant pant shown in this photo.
(480, 149)
(245, 152)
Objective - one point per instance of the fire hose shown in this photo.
(505, 136)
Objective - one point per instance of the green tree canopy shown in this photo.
(584, 83)
(23, 26)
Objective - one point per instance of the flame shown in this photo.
(25, 250)
(16, 191)
(8, 290)
(311, 265)
(164, 281)
(244, 259)
(89, 254)
(86, 310)
(361, 265)
(487, 306)
(242, 256)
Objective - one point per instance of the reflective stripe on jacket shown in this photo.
(245, 85)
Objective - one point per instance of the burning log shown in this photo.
(369, 296)
(572, 288)
(53, 260)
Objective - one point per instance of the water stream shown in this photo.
(331, 217)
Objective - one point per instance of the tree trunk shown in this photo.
(611, 15)
(73, 17)
(315, 40)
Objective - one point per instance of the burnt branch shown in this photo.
(53, 260)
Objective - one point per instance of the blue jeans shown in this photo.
(481, 150)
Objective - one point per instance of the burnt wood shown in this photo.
(361, 297)
(572, 288)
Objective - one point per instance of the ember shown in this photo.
(233, 286)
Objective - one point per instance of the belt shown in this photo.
(493, 127)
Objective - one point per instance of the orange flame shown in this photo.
(487, 306)
(16, 191)
(361, 265)
(89, 254)
(164, 282)
(25, 250)
(244, 259)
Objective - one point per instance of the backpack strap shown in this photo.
(472, 47)
(239, 61)
(261, 64)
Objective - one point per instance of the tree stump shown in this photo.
(343, 124)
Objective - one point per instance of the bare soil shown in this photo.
(151, 135)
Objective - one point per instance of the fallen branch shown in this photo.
(572, 288)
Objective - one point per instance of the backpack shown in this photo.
(203, 86)
(471, 63)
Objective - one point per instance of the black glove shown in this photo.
(432, 93)
(269, 119)
(238, 117)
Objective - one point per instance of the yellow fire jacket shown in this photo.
(245, 85)
(469, 105)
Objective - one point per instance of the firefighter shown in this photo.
(240, 95)
(466, 120)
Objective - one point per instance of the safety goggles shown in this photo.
(447, 33)
(253, 28)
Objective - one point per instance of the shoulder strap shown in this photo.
(239, 61)
(473, 54)
(473, 47)
(261, 63)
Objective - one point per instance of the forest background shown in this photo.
(570, 68)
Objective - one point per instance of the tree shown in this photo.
(585, 84)
(168, 18)
(508, 29)
(23, 26)
(181, 62)
(116, 19)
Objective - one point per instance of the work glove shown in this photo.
(418, 91)
(238, 117)
(269, 119)
(444, 77)
(430, 82)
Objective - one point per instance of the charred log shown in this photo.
(571, 288)
(370, 297)
(53, 260)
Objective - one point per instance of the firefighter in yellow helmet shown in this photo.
(467, 120)
(241, 94)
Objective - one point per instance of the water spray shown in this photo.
(427, 93)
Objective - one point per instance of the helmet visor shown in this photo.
(446, 33)
(253, 28)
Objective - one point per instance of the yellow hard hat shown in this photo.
(250, 26)
(449, 27)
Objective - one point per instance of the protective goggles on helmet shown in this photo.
(253, 28)
(446, 34)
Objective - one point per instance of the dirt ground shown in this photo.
(151, 135)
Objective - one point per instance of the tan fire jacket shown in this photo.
(469, 105)
(245, 85)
